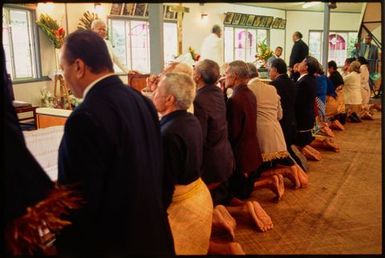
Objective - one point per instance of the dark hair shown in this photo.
(216, 28)
(90, 48)
(312, 65)
(209, 70)
(332, 64)
(349, 60)
(362, 60)
(279, 48)
(299, 34)
(252, 70)
(280, 65)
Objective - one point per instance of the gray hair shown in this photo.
(209, 70)
(253, 73)
(96, 23)
(240, 69)
(182, 87)
(355, 66)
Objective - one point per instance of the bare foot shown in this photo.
(292, 175)
(302, 176)
(311, 153)
(327, 131)
(337, 125)
(330, 144)
(281, 187)
(260, 217)
(367, 116)
(223, 220)
(216, 247)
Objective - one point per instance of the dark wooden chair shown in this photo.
(21, 107)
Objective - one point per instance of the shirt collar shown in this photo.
(301, 76)
(171, 116)
(92, 84)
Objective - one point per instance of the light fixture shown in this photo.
(310, 4)
(204, 17)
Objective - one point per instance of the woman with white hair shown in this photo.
(100, 28)
(352, 92)
(190, 206)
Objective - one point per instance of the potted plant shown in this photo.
(263, 54)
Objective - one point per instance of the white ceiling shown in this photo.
(351, 6)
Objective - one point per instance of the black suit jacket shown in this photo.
(299, 51)
(210, 109)
(305, 101)
(112, 147)
(242, 122)
(287, 90)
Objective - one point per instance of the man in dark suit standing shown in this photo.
(370, 52)
(111, 148)
(299, 51)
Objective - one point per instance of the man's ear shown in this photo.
(80, 68)
(170, 100)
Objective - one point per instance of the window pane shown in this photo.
(140, 46)
(315, 39)
(170, 41)
(229, 44)
(352, 40)
(21, 44)
(6, 43)
(118, 40)
(240, 44)
(251, 45)
(338, 47)
(261, 36)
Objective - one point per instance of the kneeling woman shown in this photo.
(191, 207)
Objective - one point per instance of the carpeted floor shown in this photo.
(341, 210)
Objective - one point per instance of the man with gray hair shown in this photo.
(212, 46)
(100, 28)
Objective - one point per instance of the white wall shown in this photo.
(306, 21)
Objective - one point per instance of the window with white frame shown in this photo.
(19, 43)
(131, 42)
(241, 43)
(341, 45)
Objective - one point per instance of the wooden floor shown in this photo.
(340, 211)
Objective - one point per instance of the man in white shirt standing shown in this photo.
(100, 28)
(212, 46)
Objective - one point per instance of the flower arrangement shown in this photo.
(264, 52)
(195, 56)
(51, 28)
